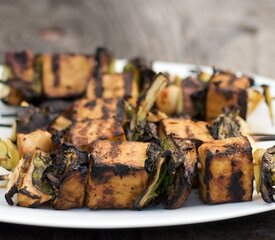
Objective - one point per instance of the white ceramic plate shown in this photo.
(194, 210)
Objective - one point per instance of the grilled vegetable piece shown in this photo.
(255, 98)
(113, 86)
(226, 125)
(182, 168)
(98, 109)
(142, 71)
(171, 172)
(226, 90)
(32, 118)
(85, 132)
(104, 60)
(138, 121)
(196, 131)
(9, 156)
(26, 181)
(168, 99)
(193, 88)
(264, 169)
(226, 173)
(67, 176)
(117, 174)
(24, 80)
(28, 143)
(15, 180)
(34, 191)
(268, 100)
(65, 75)
(22, 65)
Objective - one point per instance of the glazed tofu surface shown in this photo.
(65, 75)
(22, 65)
(226, 90)
(226, 173)
(117, 174)
(98, 109)
(113, 86)
(83, 133)
(186, 129)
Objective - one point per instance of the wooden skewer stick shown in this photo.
(264, 138)
(9, 115)
(6, 125)
(4, 177)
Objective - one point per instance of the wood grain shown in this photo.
(231, 34)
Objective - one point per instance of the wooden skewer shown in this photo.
(4, 177)
(8, 115)
(261, 134)
(264, 138)
(6, 125)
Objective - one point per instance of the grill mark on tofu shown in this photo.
(208, 175)
(115, 150)
(242, 103)
(90, 104)
(232, 79)
(128, 77)
(105, 112)
(235, 189)
(98, 83)
(120, 111)
(55, 69)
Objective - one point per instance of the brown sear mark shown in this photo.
(128, 78)
(55, 69)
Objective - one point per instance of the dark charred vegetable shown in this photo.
(104, 60)
(138, 121)
(67, 176)
(32, 118)
(27, 181)
(226, 125)
(142, 71)
(264, 172)
(171, 169)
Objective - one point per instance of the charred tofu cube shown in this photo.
(65, 75)
(98, 109)
(185, 129)
(113, 86)
(68, 176)
(117, 174)
(85, 132)
(22, 65)
(27, 143)
(226, 173)
(226, 90)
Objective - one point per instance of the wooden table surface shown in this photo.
(231, 34)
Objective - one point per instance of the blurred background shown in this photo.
(231, 34)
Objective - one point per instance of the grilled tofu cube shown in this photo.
(226, 90)
(113, 86)
(65, 75)
(185, 129)
(117, 174)
(98, 109)
(226, 173)
(22, 65)
(27, 143)
(68, 176)
(85, 132)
